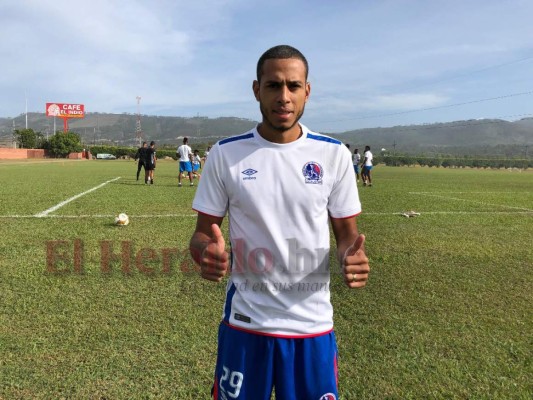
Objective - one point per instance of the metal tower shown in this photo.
(138, 129)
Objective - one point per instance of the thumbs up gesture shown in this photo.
(214, 262)
(355, 264)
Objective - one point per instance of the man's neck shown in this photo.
(278, 136)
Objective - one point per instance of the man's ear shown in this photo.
(255, 88)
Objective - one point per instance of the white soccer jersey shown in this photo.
(279, 198)
(368, 155)
(184, 151)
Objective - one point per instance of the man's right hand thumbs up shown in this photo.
(215, 259)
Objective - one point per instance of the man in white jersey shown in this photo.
(281, 185)
(184, 154)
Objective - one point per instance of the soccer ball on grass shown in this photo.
(122, 219)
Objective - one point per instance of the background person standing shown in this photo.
(140, 155)
(367, 167)
(184, 154)
(356, 159)
(150, 161)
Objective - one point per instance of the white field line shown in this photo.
(15, 216)
(447, 192)
(429, 194)
(58, 206)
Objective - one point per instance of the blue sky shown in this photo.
(372, 63)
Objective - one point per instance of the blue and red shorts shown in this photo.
(185, 166)
(250, 365)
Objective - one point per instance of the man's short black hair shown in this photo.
(282, 51)
(152, 143)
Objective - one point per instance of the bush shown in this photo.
(62, 144)
(28, 139)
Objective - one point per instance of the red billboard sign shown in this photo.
(64, 110)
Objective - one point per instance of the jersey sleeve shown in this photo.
(344, 198)
(211, 197)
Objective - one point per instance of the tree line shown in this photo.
(454, 162)
(62, 144)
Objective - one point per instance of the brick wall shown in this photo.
(18, 154)
(13, 154)
(76, 156)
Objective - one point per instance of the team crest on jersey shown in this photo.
(313, 172)
(328, 396)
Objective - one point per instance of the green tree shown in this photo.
(28, 139)
(62, 144)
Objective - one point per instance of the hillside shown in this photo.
(480, 137)
(487, 136)
(100, 128)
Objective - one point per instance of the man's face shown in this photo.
(282, 94)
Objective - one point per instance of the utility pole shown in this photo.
(26, 98)
(138, 129)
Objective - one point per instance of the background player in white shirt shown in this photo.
(184, 153)
(356, 158)
(196, 164)
(367, 167)
(281, 185)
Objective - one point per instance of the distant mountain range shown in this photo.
(486, 136)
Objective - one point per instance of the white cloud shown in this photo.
(365, 57)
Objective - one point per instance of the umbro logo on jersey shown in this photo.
(249, 174)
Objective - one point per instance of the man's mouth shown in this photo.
(283, 113)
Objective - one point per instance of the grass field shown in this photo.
(89, 310)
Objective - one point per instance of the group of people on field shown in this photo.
(189, 161)
(366, 165)
(146, 157)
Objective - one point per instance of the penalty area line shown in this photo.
(15, 216)
(471, 201)
(65, 202)
(145, 216)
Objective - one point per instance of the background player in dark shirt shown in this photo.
(140, 156)
(149, 163)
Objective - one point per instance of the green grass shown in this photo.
(446, 313)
